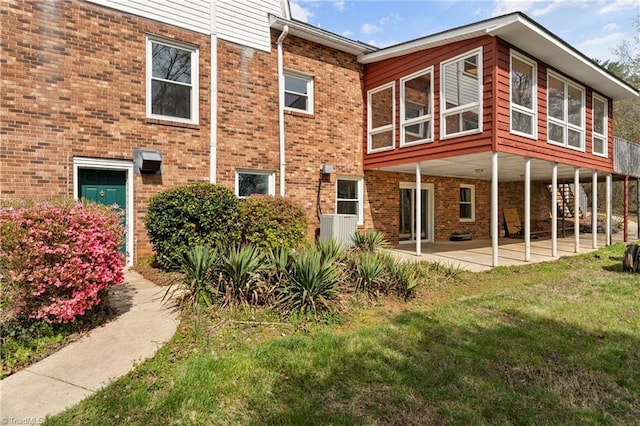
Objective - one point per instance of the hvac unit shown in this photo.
(340, 227)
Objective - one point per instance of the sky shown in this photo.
(594, 27)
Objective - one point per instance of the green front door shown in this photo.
(106, 187)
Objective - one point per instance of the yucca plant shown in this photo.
(369, 241)
(312, 283)
(194, 288)
(331, 250)
(239, 267)
(369, 273)
(405, 277)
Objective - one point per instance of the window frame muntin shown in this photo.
(388, 127)
(565, 124)
(519, 108)
(416, 120)
(360, 196)
(271, 181)
(444, 112)
(472, 203)
(604, 136)
(150, 39)
(310, 88)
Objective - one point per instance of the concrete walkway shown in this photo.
(106, 353)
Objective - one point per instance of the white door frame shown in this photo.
(429, 187)
(122, 165)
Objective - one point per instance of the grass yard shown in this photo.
(553, 343)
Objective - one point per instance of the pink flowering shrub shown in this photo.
(56, 257)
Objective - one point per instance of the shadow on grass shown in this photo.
(421, 370)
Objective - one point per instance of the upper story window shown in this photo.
(381, 113)
(600, 117)
(416, 116)
(467, 203)
(298, 92)
(172, 80)
(523, 96)
(250, 182)
(461, 95)
(349, 197)
(565, 112)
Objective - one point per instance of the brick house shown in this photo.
(475, 120)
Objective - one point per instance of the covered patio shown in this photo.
(477, 255)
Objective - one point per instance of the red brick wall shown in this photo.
(73, 84)
(248, 120)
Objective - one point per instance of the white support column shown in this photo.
(608, 212)
(494, 209)
(554, 210)
(576, 209)
(527, 210)
(594, 210)
(418, 209)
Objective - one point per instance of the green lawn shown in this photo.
(555, 343)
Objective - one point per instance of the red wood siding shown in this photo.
(394, 69)
(540, 148)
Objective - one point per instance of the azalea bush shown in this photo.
(57, 258)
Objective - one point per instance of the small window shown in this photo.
(172, 80)
(416, 104)
(461, 94)
(565, 113)
(381, 118)
(523, 96)
(250, 182)
(298, 92)
(349, 197)
(600, 117)
(467, 203)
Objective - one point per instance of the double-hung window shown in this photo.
(600, 108)
(381, 113)
(298, 92)
(467, 203)
(461, 95)
(250, 182)
(523, 96)
(565, 112)
(416, 117)
(172, 80)
(349, 197)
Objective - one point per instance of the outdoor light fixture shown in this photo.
(147, 161)
(326, 169)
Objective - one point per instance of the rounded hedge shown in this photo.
(272, 222)
(199, 213)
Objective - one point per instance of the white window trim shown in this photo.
(444, 112)
(473, 203)
(195, 79)
(565, 123)
(604, 137)
(422, 120)
(271, 183)
(309, 79)
(519, 108)
(360, 198)
(385, 128)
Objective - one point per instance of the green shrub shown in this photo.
(186, 216)
(368, 272)
(195, 287)
(331, 250)
(239, 268)
(272, 222)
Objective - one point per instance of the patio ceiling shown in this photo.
(478, 166)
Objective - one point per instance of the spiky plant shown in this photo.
(369, 273)
(369, 241)
(312, 283)
(239, 267)
(194, 288)
(330, 250)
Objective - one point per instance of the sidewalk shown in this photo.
(106, 353)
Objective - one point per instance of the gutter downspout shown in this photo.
(213, 102)
(283, 35)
